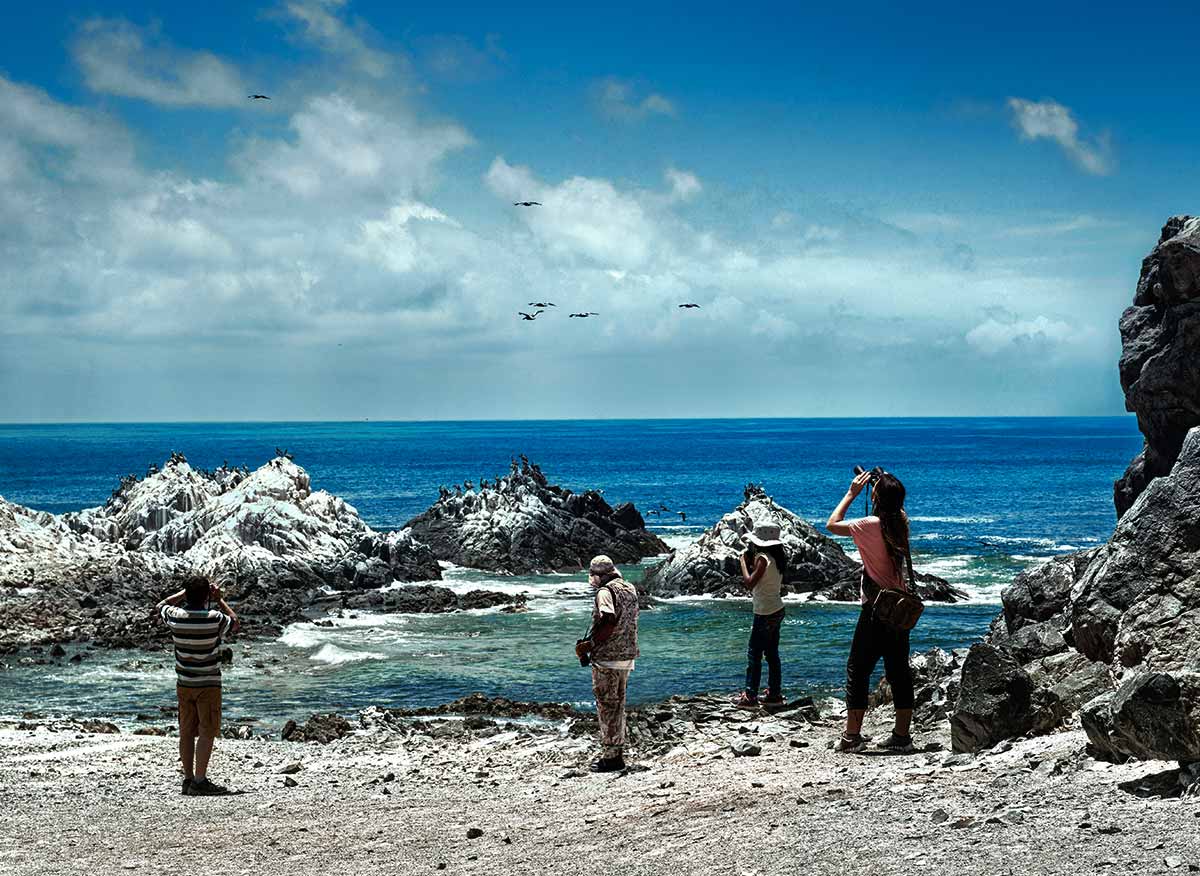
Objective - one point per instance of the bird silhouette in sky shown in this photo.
(529, 316)
(689, 306)
(257, 97)
(584, 315)
(526, 204)
(542, 304)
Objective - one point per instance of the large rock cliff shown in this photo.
(1160, 368)
(1113, 634)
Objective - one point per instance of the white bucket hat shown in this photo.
(765, 535)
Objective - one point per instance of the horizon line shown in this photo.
(16, 423)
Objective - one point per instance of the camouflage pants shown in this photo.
(609, 687)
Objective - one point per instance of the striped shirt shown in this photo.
(197, 635)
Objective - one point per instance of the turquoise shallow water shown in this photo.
(987, 498)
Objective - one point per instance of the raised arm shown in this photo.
(218, 597)
(835, 522)
(751, 577)
(173, 599)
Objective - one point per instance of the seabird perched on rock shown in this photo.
(584, 315)
(257, 97)
(528, 316)
(527, 203)
(689, 305)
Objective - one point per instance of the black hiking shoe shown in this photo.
(187, 787)
(898, 744)
(851, 744)
(608, 765)
(205, 788)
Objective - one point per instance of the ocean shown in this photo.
(987, 498)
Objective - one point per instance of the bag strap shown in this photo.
(912, 578)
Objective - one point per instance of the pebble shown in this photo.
(289, 769)
(289, 782)
(474, 832)
(745, 748)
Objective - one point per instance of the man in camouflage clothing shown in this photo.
(612, 647)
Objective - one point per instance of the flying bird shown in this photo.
(584, 315)
(529, 316)
(664, 507)
(651, 513)
(682, 516)
(542, 304)
(689, 305)
(257, 97)
(526, 204)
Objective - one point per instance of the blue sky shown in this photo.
(881, 212)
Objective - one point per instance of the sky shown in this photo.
(880, 212)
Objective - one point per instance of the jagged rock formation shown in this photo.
(272, 541)
(1160, 368)
(522, 524)
(816, 563)
(1113, 633)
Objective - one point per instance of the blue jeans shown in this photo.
(764, 642)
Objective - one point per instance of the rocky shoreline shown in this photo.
(482, 786)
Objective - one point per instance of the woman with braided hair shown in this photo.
(882, 541)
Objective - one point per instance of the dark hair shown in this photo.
(778, 554)
(888, 506)
(195, 591)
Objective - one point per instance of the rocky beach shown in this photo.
(1066, 739)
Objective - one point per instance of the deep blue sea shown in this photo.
(987, 498)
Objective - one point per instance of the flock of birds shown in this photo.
(539, 306)
(663, 509)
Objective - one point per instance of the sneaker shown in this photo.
(608, 765)
(187, 787)
(205, 788)
(898, 744)
(768, 700)
(855, 744)
(744, 701)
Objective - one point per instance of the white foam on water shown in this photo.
(679, 542)
(963, 520)
(334, 656)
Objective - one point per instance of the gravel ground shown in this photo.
(73, 802)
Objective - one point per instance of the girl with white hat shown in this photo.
(764, 579)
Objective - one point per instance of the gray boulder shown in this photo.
(1152, 715)
(997, 700)
(522, 524)
(1160, 369)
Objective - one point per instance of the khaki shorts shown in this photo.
(199, 711)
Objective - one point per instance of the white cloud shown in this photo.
(684, 184)
(579, 217)
(1048, 119)
(324, 27)
(338, 146)
(122, 59)
(617, 99)
(1068, 225)
(995, 335)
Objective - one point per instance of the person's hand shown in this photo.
(214, 592)
(860, 481)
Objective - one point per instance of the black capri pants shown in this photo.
(872, 640)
